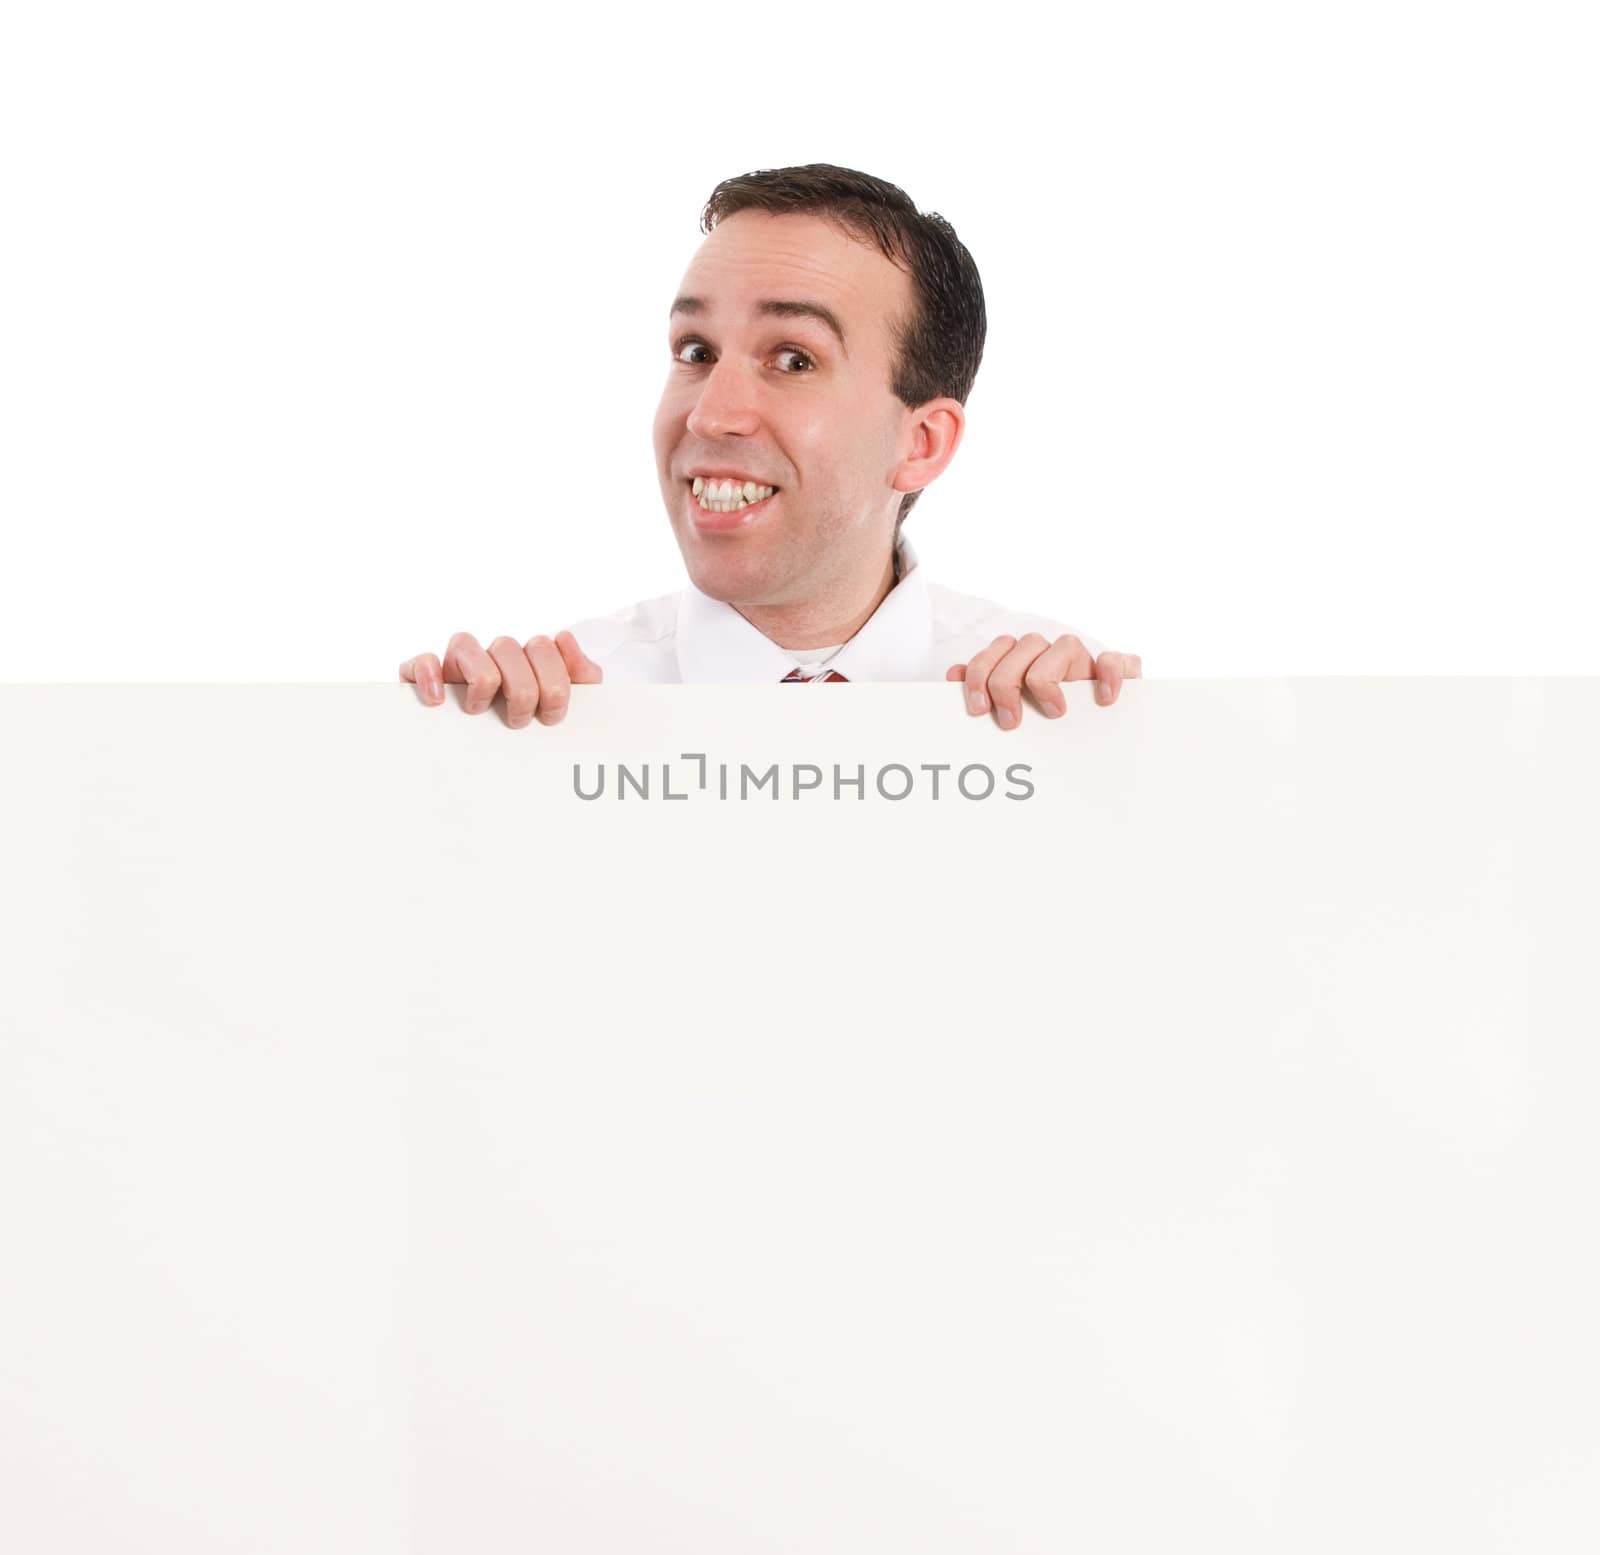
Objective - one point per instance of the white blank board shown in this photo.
(401, 1153)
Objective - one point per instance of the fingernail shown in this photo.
(1005, 718)
(977, 701)
(1051, 710)
(1102, 691)
(435, 690)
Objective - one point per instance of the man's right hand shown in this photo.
(537, 678)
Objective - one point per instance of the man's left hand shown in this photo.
(998, 674)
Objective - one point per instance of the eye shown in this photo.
(690, 343)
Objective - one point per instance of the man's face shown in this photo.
(780, 400)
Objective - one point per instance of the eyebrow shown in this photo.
(768, 307)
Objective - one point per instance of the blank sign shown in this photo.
(854, 1128)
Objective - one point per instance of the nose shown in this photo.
(726, 403)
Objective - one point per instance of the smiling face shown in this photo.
(762, 389)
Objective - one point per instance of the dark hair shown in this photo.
(937, 348)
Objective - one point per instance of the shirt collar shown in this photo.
(716, 645)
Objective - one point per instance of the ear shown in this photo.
(930, 437)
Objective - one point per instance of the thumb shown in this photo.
(583, 670)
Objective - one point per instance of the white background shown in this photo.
(311, 316)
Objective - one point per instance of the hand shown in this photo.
(537, 677)
(1000, 671)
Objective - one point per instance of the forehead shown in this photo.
(753, 258)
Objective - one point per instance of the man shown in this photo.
(823, 344)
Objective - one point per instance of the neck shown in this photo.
(834, 617)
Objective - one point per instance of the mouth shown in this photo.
(740, 513)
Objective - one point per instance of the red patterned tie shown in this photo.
(795, 678)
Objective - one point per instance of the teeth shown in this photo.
(728, 496)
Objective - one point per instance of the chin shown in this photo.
(726, 581)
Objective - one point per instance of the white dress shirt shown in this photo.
(917, 632)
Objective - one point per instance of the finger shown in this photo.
(956, 672)
(1065, 659)
(583, 670)
(1111, 669)
(516, 680)
(555, 684)
(465, 663)
(1109, 672)
(1005, 680)
(424, 673)
(977, 676)
(1080, 662)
